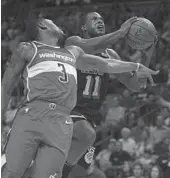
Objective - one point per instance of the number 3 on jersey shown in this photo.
(64, 77)
(92, 87)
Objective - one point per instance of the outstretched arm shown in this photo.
(99, 44)
(90, 62)
(12, 74)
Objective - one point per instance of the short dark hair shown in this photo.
(31, 31)
(84, 17)
(137, 163)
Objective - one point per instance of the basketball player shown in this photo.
(42, 129)
(92, 88)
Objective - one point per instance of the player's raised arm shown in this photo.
(19, 59)
(100, 43)
(86, 61)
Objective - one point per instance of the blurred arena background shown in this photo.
(144, 117)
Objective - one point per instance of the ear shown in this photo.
(42, 26)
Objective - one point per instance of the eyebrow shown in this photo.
(95, 17)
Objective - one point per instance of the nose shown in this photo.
(100, 21)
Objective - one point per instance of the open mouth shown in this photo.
(100, 27)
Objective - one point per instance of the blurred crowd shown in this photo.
(133, 129)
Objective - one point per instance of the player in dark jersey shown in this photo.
(92, 87)
(42, 128)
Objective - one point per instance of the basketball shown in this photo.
(142, 34)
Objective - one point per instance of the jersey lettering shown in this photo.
(64, 78)
(92, 81)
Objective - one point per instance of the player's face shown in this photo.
(52, 29)
(95, 25)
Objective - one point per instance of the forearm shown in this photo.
(120, 67)
(6, 91)
(101, 43)
(95, 45)
(90, 62)
(5, 97)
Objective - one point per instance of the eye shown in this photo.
(94, 18)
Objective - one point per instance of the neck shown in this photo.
(49, 41)
(86, 36)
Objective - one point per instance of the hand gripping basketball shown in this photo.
(142, 34)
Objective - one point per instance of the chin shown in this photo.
(100, 33)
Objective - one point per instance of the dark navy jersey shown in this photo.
(91, 90)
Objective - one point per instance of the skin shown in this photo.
(155, 172)
(125, 134)
(118, 146)
(94, 25)
(159, 121)
(94, 42)
(137, 171)
(98, 41)
(111, 146)
(50, 34)
(126, 167)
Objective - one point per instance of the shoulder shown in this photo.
(72, 40)
(74, 50)
(25, 50)
(24, 47)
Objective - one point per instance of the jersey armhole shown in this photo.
(71, 53)
(35, 53)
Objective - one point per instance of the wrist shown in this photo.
(122, 33)
(137, 67)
